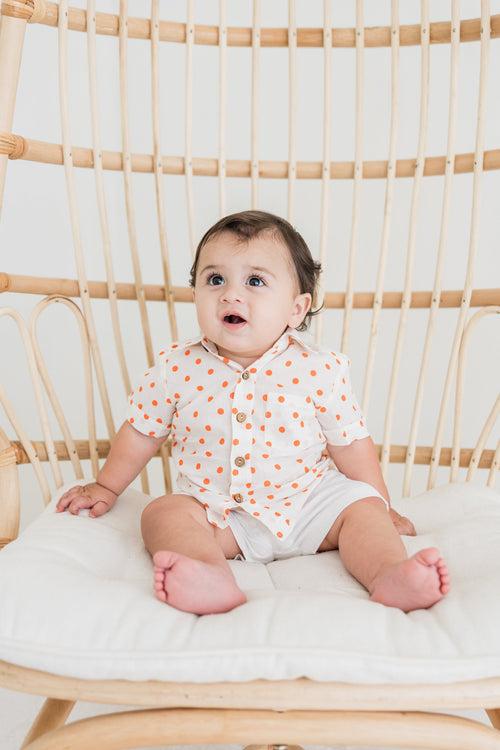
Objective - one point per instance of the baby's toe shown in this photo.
(428, 556)
(444, 581)
(442, 568)
(160, 591)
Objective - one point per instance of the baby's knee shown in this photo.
(171, 505)
(159, 505)
(374, 501)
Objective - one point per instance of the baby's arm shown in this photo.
(359, 461)
(130, 451)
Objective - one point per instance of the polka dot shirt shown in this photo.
(251, 438)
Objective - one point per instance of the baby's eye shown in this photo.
(214, 276)
(218, 276)
(259, 278)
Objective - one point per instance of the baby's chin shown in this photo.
(244, 342)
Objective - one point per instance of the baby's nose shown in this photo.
(232, 294)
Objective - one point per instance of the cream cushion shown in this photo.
(76, 599)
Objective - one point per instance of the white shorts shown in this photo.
(324, 504)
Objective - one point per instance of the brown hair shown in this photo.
(249, 224)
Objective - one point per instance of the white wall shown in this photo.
(35, 232)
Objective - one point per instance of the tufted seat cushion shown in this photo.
(76, 599)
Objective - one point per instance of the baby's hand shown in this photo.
(403, 525)
(92, 495)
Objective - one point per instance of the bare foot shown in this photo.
(194, 586)
(416, 583)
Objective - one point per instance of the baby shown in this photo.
(274, 457)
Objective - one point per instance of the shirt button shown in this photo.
(245, 375)
(238, 498)
(239, 461)
(241, 416)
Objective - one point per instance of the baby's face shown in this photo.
(255, 280)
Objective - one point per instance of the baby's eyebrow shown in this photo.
(250, 268)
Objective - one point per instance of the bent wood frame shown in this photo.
(299, 711)
(261, 712)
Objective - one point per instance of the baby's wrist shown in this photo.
(105, 487)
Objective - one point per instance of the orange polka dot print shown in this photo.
(249, 438)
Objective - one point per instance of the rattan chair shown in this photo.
(259, 711)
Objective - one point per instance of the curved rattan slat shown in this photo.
(160, 210)
(388, 206)
(87, 372)
(379, 36)
(292, 110)
(12, 32)
(325, 165)
(127, 169)
(42, 412)
(442, 247)
(222, 106)
(10, 491)
(103, 213)
(455, 454)
(74, 216)
(358, 176)
(101, 197)
(254, 130)
(473, 240)
(410, 255)
(188, 159)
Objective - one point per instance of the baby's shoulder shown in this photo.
(328, 357)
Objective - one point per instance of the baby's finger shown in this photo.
(410, 528)
(68, 498)
(99, 509)
(79, 503)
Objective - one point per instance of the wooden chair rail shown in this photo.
(169, 31)
(170, 726)
(275, 695)
(16, 146)
(156, 293)
(397, 453)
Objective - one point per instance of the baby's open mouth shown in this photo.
(234, 322)
(233, 319)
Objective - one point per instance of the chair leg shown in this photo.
(52, 715)
(494, 716)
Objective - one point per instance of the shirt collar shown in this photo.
(285, 340)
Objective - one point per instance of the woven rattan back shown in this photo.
(367, 216)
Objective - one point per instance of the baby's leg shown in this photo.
(372, 551)
(191, 570)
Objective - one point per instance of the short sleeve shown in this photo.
(338, 411)
(150, 407)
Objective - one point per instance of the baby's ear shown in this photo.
(303, 304)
